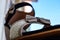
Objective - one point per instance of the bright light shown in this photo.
(27, 9)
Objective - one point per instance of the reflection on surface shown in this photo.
(28, 8)
(35, 26)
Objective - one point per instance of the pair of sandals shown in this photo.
(19, 21)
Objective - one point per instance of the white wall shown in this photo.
(2, 12)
